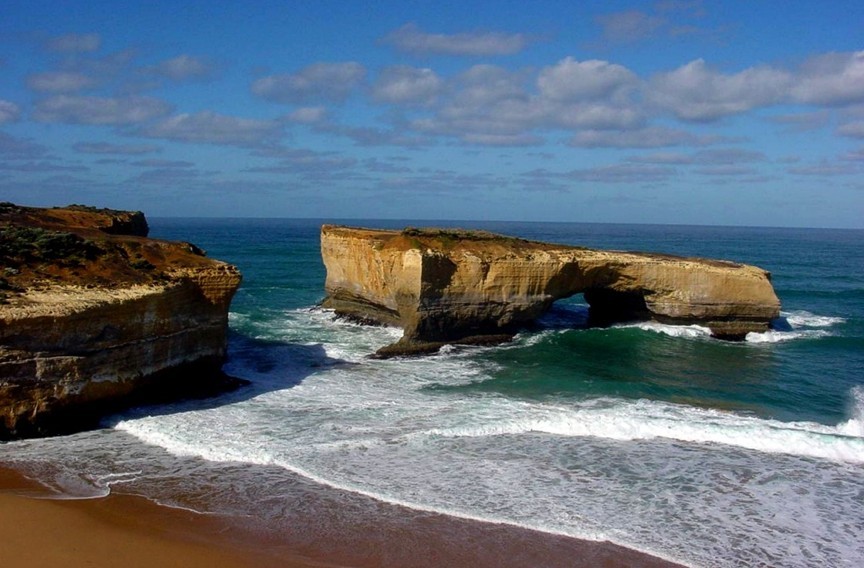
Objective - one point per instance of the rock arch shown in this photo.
(453, 286)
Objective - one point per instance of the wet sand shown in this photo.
(130, 531)
(118, 530)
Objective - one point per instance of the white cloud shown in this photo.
(371, 136)
(41, 167)
(728, 156)
(596, 116)
(490, 104)
(802, 121)
(210, 127)
(648, 137)
(852, 129)
(309, 164)
(727, 170)
(308, 115)
(622, 173)
(570, 80)
(315, 83)
(668, 158)
(59, 82)
(100, 110)
(854, 156)
(74, 43)
(154, 163)
(695, 92)
(9, 112)
(827, 168)
(183, 68)
(120, 149)
(716, 157)
(483, 85)
(503, 139)
(831, 79)
(412, 39)
(402, 84)
(20, 148)
(167, 176)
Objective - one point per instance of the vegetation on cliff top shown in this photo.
(20, 245)
(85, 246)
(448, 239)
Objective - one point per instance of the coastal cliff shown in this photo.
(95, 316)
(453, 286)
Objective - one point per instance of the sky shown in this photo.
(669, 111)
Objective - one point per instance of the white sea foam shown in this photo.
(260, 456)
(776, 336)
(855, 425)
(797, 324)
(362, 448)
(671, 330)
(384, 430)
(803, 318)
(646, 420)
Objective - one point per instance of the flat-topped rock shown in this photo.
(453, 286)
(95, 317)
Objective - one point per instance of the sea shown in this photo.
(655, 437)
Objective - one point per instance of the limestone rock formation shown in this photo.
(94, 316)
(451, 286)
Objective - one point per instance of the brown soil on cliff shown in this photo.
(455, 239)
(83, 246)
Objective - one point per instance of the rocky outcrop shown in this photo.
(445, 286)
(95, 317)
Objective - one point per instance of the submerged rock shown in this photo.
(455, 286)
(95, 317)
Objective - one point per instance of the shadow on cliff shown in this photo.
(261, 366)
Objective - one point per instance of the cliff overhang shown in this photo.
(96, 317)
(455, 286)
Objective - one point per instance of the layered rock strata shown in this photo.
(451, 286)
(95, 317)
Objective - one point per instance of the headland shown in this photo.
(96, 317)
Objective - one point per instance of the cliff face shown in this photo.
(95, 317)
(451, 286)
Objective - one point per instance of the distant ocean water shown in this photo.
(655, 437)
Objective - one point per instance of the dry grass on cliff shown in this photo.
(78, 247)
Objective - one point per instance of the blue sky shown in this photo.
(732, 113)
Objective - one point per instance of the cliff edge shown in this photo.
(95, 317)
(455, 286)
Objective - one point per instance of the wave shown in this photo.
(151, 434)
(691, 331)
(776, 336)
(855, 425)
(802, 318)
(789, 326)
(647, 420)
(799, 324)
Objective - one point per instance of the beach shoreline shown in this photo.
(41, 530)
(133, 531)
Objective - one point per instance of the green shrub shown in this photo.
(25, 244)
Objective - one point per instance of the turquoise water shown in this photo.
(655, 437)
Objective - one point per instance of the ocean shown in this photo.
(655, 437)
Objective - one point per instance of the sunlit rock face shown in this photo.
(95, 317)
(456, 286)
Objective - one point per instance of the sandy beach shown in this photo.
(130, 531)
(118, 530)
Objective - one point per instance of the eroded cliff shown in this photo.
(465, 286)
(94, 316)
